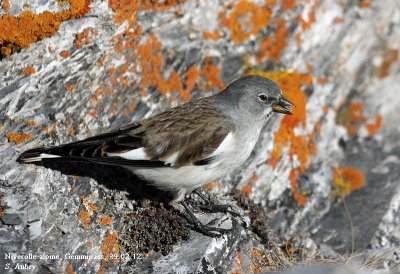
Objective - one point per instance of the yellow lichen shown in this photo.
(353, 118)
(346, 180)
(6, 5)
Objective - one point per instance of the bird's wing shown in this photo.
(185, 135)
(189, 134)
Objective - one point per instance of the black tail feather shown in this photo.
(32, 153)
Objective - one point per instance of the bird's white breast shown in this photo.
(231, 153)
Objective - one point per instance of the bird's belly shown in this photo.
(186, 178)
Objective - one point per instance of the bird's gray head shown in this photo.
(258, 96)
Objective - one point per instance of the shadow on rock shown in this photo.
(112, 177)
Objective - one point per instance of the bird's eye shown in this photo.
(262, 97)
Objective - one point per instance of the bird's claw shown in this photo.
(209, 230)
(213, 208)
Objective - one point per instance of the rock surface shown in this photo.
(326, 177)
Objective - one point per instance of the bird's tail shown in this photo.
(92, 149)
(36, 155)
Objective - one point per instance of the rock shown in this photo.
(13, 219)
(325, 178)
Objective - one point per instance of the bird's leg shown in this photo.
(204, 229)
(213, 207)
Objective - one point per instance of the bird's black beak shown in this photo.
(283, 106)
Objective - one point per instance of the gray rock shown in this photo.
(338, 58)
(13, 219)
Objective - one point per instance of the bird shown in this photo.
(187, 146)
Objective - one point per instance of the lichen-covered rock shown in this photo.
(326, 177)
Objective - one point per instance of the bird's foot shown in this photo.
(209, 230)
(204, 229)
(212, 207)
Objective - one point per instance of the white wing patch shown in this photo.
(171, 159)
(224, 148)
(134, 154)
(39, 158)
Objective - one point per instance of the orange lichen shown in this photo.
(211, 73)
(238, 260)
(26, 28)
(144, 57)
(247, 18)
(18, 138)
(6, 5)
(61, 3)
(297, 37)
(70, 88)
(90, 244)
(288, 4)
(300, 147)
(364, 4)
(346, 180)
(192, 75)
(258, 261)
(69, 269)
(84, 38)
(373, 128)
(102, 269)
(50, 130)
(89, 205)
(71, 132)
(86, 218)
(353, 118)
(64, 53)
(322, 80)
(213, 185)
(151, 60)
(105, 220)
(28, 71)
(161, 5)
(36, 125)
(124, 10)
(246, 190)
(110, 247)
(339, 20)
(298, 196)
(215, 35)
(306, 23)
(389, 58)
(130, 109)
(271, 47)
